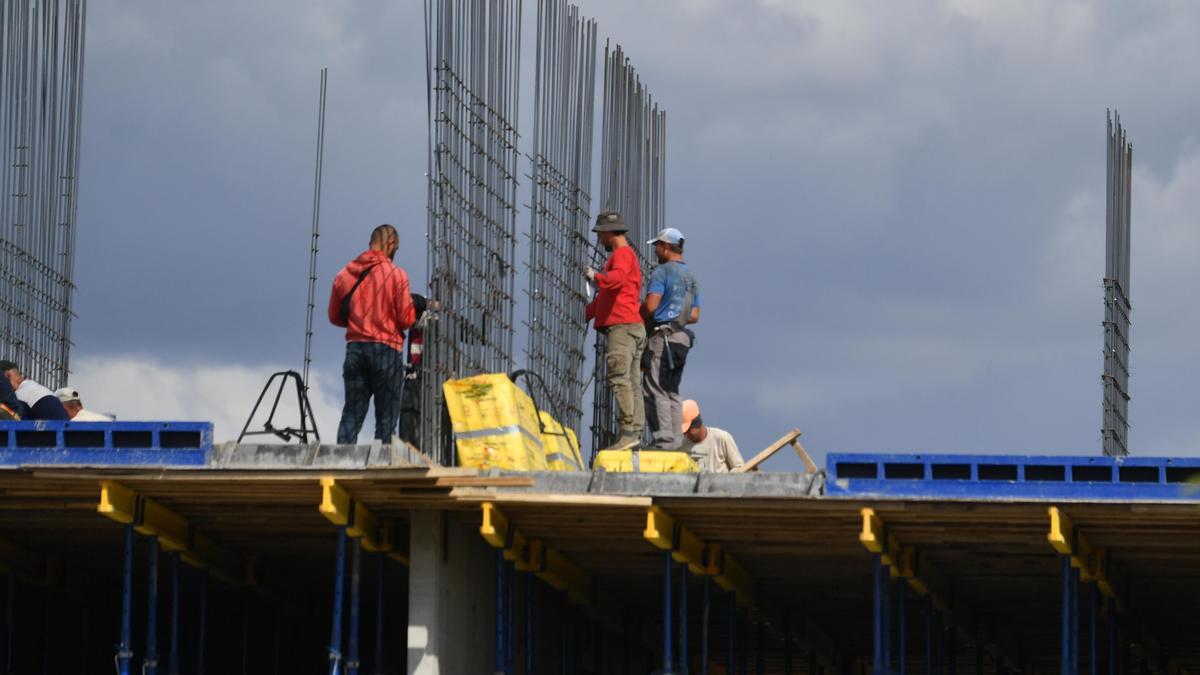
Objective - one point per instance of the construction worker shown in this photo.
(712, 448)
(372, 300)
(672, 303)
(37, 402)
(615, 312)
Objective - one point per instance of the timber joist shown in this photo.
(535, 555)
(376, 535)
(702, 558)
(904, 561)
(174, 533)
(1093, 563)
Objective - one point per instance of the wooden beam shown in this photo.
(768, 451)
(337, 506)
(663, 532)
(534, 555)
(808, 462)
(173, 532)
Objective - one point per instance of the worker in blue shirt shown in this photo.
(672, 303)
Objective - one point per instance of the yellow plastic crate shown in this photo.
(562, 452)
(495, 424)
(646, 461)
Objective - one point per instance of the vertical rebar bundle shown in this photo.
(316, 226)
(41, 96)
(632, 181)
(559, 248)
(473, 67)
(1115, 432)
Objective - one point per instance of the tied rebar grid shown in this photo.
(473, 66)
(41, 80)
(559, 247)
(1117, 307)
(632, 181)
(316, 227)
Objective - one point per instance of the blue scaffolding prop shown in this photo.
(44, 442)
(1009, 477)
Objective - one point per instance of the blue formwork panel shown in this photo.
(105, 443)
(1013, 477)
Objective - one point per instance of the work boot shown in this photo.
(625, 442)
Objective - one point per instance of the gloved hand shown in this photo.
(591, 274)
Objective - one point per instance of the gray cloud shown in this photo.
(895, 209)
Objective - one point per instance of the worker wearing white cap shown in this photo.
(70, 401)
(712, 448)
(672, 303)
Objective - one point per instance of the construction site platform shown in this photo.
(797, 553)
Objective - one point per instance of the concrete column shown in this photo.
(451, 588)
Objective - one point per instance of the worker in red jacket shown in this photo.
(372, 300)
(615, 310)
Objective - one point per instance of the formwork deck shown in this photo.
(989, 558)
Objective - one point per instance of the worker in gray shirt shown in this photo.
(713, 449)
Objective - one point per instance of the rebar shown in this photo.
(1117, 308)
(473, 67)
(316, 228)
(559, 247)
(41, 97)
(632, 181)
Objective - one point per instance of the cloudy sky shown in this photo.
(896, 209)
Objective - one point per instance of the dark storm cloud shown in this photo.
(895, 210)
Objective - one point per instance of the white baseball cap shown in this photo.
(67, 394)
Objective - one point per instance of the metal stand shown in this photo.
(307, 419)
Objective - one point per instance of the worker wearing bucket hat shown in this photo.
(615, 312)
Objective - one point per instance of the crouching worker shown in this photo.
(712, 448)
(372, 300)
(37, 402)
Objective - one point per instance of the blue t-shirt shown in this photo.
(670, 280)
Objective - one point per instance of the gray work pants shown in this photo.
(666, 352)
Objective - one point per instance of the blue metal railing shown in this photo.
(1013, 477)
(105, 443)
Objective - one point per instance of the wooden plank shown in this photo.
(481, 494)
(766, 453)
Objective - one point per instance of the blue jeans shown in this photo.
(371, 370)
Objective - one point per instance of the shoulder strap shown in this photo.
(346, 300)
(689, 298)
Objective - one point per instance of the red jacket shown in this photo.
(618, 290)
(382, 307)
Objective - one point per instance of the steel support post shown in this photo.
(787, 642)
(1112, 636)
(202, 623)
(500, 613)
(1093, 619)
(529, 623)
(732, 595)
(352, 658)
(339, 584)
(760, 659)
(173, 650)
(9, 614)
(978, 656)
(379, 570)
(245, 635)
(683, 619)
(704, 616)
(813, 667)
(744, 641)
(125, 646)
(902, 626)
(1074, 621)
(951, 651)
(878, 659)
(929, 633)
(668, 608)
(150, 663)
(564, 626)
(508, 619)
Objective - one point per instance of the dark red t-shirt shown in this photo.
(618, 290)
